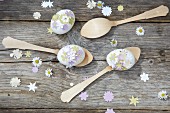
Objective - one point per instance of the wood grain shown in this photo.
(23, 10)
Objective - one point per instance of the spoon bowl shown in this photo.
(14, 43)
(69, 94)
(98, 27)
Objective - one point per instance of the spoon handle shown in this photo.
(69, 94)
(159, 11)
(14, 43)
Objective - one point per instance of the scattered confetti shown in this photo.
(100, 4)
(34, 69)
(50, 30)
(17, 54)
(109, 111)
(106, 11)
(144, 77)
(113, 42)
(46, 4)
(140, 31)
(120, 8)
(36, 15)
(15, 82)
(32, 86)
(48, 72)
(71, 84)
(28, 54)
(163, 95)
(36, 61)
(108, 96)
(134, 100)
(91, 4)
(83, 96)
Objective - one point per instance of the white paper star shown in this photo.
(32, 86)
(144, 77)
(45, 4)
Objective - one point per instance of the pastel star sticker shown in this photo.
(32, 86)
(133, 100)
(50, 30)
(28, 54)
(83, 96)
(144, 77)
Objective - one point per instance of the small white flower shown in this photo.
(48, 72)
(144, 77)
(100, 4)
(163, 95)
(36, 61)
(65, 19)
(16, 54)
(15, 82)
(140, 31)
(113, 42)
(91, 4)
(32, 86)
(106, 11)
(36, 15)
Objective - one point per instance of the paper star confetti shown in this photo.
(83, 96)
(34, 69)
(120, 8)
(140, 31)
(113, 43)
(37, 61)
(15, 82)
(48, 72)
(108, 96)
(109, 111)
(17, 54)
(91, 4)
(32, 86)
(134, 100)
(71, 84)
(50, 30)
(144, 77)
(36, 15)
(106, 11)
(28, 54)
(46, 4)
(163, 95)
(100, 4)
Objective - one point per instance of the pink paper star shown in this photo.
(108, 96)
(109, 111)
(34, 69)
(83, 96)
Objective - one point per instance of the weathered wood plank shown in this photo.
(122, 84)
(154, 44)
(23, 10)
(75, 111)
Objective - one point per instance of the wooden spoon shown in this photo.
(69, 94)
(98, 27)
(14, 43)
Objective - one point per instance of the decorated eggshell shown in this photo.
(120, 59)
(62, 21)
(71, 55)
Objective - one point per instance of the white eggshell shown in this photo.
(120, 59)
(71, 55)
(62, 21)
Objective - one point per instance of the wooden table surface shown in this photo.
(16, 20)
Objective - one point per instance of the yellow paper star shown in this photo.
(50, 30)
(120, 8)
(134, 100)
(28, 54)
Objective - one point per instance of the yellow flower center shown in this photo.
(113, 42)
(49, 72)
(140, 30)
(36, 61)
(99, 4)
(163, 95)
